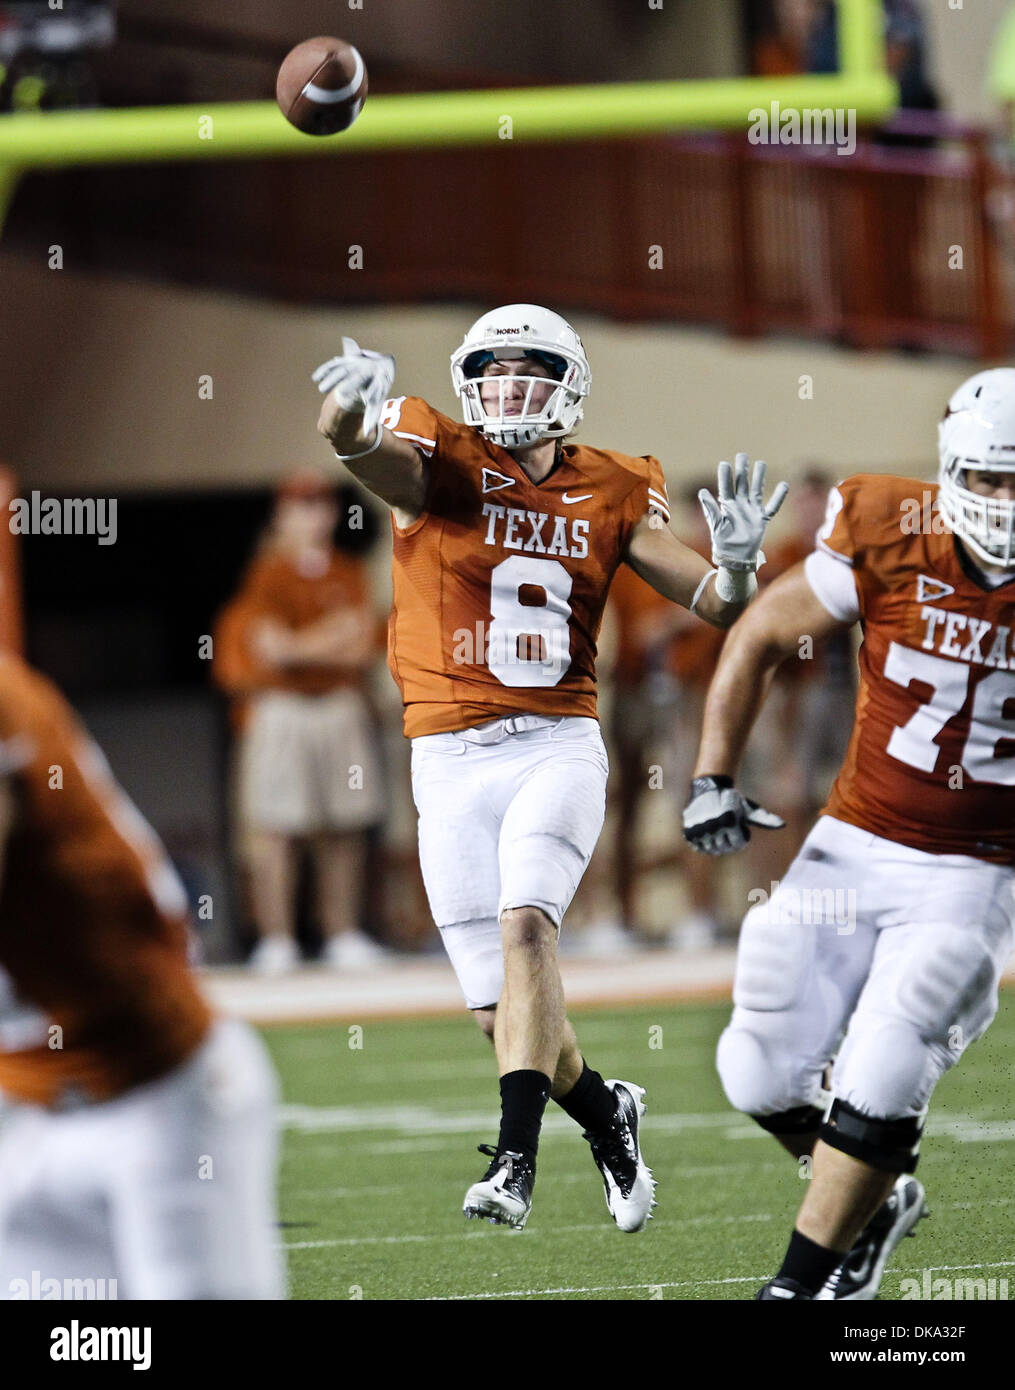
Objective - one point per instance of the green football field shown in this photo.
(380, 1146)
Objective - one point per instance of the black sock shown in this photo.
(809, 1263)
(590, 1102)
(523, 1097)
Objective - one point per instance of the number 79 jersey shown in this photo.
(931, 762)
(500, 584)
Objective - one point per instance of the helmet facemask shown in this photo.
(985, 525)
(977, 434)
(513, 333)
(519, 428)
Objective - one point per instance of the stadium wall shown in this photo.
(107, 384)
(530, 38)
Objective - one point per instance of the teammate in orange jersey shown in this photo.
(137, 1145)
(885, 941)
(505, 541)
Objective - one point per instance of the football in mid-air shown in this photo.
(321, 86)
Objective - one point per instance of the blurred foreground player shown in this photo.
(505, 542)
(137, 1138)
(884, 944)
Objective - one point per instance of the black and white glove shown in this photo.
(360, 381)
(717, 819)
(738, 519)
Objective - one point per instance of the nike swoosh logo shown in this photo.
(583, 498)
(862, 1273)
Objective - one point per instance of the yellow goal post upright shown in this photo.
(233, 130)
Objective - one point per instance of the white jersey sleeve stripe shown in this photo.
(427, 445)
(834, 584)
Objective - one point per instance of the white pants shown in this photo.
(887, 956)
(168, 1189)
(506, 824)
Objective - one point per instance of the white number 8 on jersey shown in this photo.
(530, 643)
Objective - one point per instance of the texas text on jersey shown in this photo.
(499, 586)
(96, 994)
(931, 762)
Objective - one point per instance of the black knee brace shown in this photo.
(804, 1119)
(892, 1145)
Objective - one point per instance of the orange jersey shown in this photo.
(95, 991)
(275, 588)
(499, 586)
(931, 762)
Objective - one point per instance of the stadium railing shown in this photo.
(894, 245)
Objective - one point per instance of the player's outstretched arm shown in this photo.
(355, 386)
(677, 572)
(736, 523)
(716, 818)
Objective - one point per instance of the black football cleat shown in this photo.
(859, 1276)
(630, 1186)
(504, 1193)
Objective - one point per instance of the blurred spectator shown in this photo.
(800, 740)
(785, 33)
(44, 47)
(293, 648)
(906, 51)
(641, 716)
(665, 660)
(801, 36)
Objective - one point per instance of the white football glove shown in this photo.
(360, 381)
(737, 521)
(717, 819)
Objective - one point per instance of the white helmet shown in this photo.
(511, 332)
(978, 432)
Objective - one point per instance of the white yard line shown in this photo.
(682, 1284)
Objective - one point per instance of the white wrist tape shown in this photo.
(735, 586)
(693, 605)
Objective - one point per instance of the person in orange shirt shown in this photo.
(293, 648)
(883, 945)
(783, 47)
(137, 1147)
(644, 698)
(505, 539)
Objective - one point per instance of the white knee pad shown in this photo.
(758, 1069)
(906, 1035)
(888, 1069)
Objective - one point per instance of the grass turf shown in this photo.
(380, 1136)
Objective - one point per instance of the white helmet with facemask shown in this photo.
(978, 434)
(509, 333)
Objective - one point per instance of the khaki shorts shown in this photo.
(309, 763)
